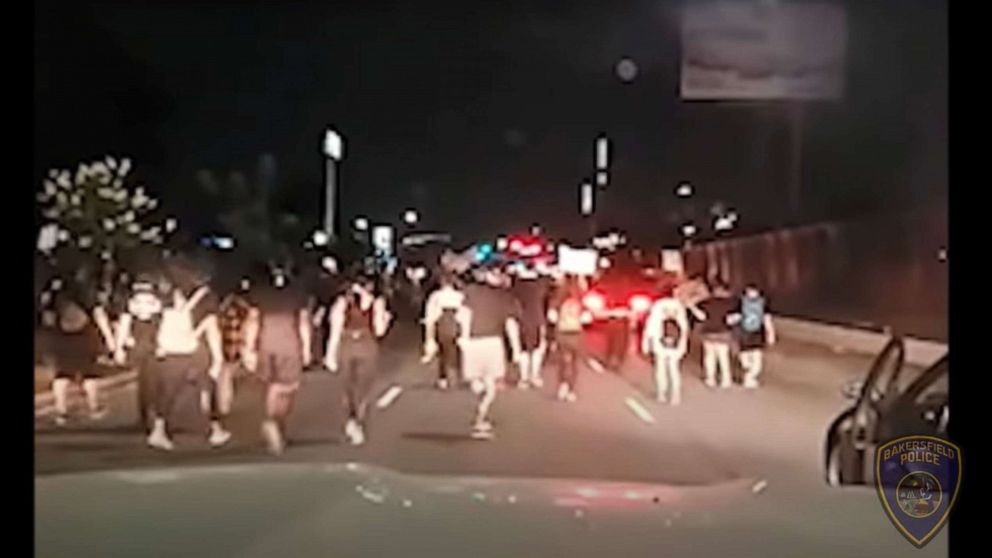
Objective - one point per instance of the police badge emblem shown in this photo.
(917, 478)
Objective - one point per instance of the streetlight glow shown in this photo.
(362, 224)
(320, 238)
(333, 145)
(684, 190)
(410, 217)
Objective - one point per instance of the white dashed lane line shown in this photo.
(639, 410)
(596, 366)
(388, 397)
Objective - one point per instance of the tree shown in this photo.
(96, 212)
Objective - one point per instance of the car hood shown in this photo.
(301, 510)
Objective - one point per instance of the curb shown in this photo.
(44, 402)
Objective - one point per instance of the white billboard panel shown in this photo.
(577, 261)
(759, 50)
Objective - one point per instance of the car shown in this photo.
(884, 409)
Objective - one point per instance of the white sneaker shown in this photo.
(726, 385)
(482, 430)
(219, 437)
(571, 398)
(676, 401)
(537, 381)
(562, 392)
(660, 398)
(751, 384)
(355, 433)
(98, 413)
(710, 383)
(61, 420)
(442, 384)
(273, 438)
(158, 439)
(523, 384)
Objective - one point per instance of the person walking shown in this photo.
(188, 352)
(568, 318)
(441, 330)
(531, 291)
(490, 311)
(359, 318)
(136, 343)
(277, 346)
(666, 337)
(717, 334)
(755, 331)
(82, 333)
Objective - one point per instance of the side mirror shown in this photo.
(852, 390)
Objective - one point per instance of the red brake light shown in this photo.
(594, 301)
(640, 303)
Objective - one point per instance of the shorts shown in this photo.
(282, 369)
(75, 354)
(751, 341)
(724, 337)
(483, 358)
(530, 337)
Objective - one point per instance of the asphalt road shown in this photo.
(768, 441)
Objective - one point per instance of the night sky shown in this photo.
(481, 115)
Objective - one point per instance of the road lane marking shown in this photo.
(387, 398)
(596, 366)
(639, 410)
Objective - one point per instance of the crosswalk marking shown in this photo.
(387, 398)
(639, 410)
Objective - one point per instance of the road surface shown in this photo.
(767, 442)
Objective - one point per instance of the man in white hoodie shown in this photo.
(666, 336)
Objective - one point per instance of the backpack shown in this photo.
(570, 315)
(176, 334)
(752, 314)
(447, 327)
(71, 317)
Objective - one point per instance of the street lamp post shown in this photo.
(333, 153)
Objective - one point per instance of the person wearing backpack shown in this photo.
(717, 334)
(755, 331)
(359, 318)
(666, 337)
(82, 333)
(441, 330)
(568, 318)
(182, 360)
(136, 342)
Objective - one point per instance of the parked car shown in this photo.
(884, 409)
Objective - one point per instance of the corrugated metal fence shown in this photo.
(889, 272)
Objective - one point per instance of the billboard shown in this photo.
(762, 50)
(577, 261)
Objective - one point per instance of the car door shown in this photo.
(922, 409)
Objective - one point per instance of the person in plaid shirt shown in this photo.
(233, 314)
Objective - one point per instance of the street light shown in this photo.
(333, 153)
(320, 238)
(688, 230)
(410, 217)
(684, 190)
(362, 224)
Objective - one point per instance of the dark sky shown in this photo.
(482, 115)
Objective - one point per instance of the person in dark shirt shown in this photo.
(717, 334)
(277, 344)
(489, 311)
(81, 333)
(359, 318)
(136, 341)
(531, 291)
